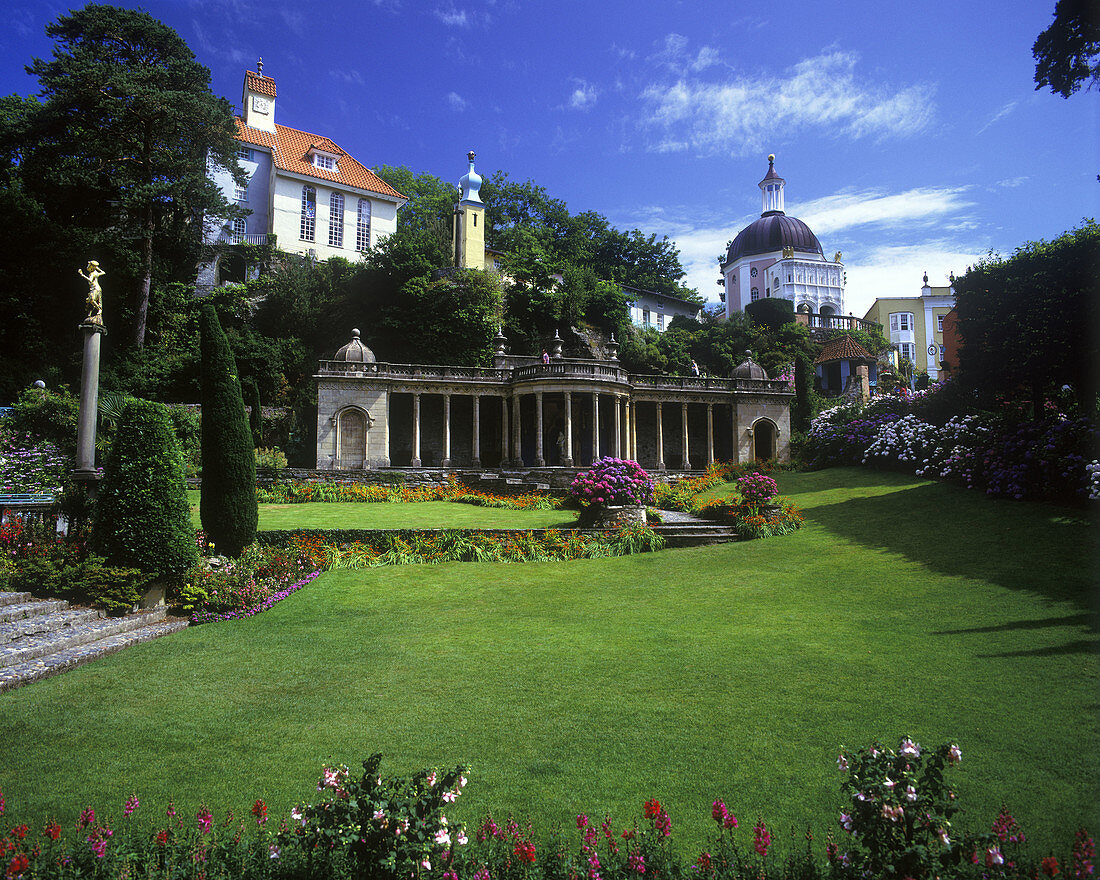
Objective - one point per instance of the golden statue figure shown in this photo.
(838, 257)
(95, 292)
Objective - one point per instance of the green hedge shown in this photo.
(141, 517)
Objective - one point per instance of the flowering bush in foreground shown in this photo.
(898, 825)
(613, 481)
(296, 492)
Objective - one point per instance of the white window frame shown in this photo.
(307, 230)
(362, 225)
(325, 163)
(336, 220)
(660, 321)
(939, 323)
(238, 227)
(240, 193)
(755, 294)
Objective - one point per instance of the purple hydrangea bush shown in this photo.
(613, 482)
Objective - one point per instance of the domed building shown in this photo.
(779, 256)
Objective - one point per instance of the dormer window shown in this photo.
(325, 161)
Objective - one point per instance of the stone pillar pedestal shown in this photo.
(89, 401)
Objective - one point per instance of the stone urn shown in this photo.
(613, 516)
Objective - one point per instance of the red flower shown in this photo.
(259, 810)
(19, 832)
(652, 809)
(162, 838)
(52, 830)
(1050, 866)
(525, 851)
(18, 866)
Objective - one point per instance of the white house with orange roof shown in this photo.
(303, 188)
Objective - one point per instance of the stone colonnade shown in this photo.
(379, 415)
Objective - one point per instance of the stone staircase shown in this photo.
(40, 638)
(695, 534)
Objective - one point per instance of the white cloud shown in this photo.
(740, 115)
(457, 102)
(674, 55)
(999, 115)
(844, 210)
(352, 77)
(583, 96)
(452, 16)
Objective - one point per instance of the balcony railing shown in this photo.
(247, 238)
(572, 369)
(821, 324)
(412, 371)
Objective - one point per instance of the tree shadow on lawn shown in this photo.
(1046, 550)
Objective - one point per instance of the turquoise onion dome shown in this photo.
(471, 183)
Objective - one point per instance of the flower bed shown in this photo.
(999, 453)
(299, 493)
(899, 822)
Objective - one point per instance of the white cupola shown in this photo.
(771, 189)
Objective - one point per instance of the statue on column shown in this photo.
(95, 292)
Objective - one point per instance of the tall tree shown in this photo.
(126, 130)
(1067, 53)
(227, 505)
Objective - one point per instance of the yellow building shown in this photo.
(914, 325)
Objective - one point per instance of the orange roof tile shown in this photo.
(291, 148)
(257, 82)
(842, 348)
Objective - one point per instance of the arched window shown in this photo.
(239, 229)
(755, 294)
(336, 220)
(362, 226)
(309, 213)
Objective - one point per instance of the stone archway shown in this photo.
(765, 439)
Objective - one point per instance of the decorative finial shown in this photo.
(354, 334)
(925, 276)
(470, 155)
(771, 158)
(260, 66)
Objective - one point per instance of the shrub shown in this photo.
(757, 488)
(270, 462)
(227, 505)
(613, 481)
(141, 517)
(47, 415)
(771, 312)
(31, 465)
(188, 428)
(109, 588)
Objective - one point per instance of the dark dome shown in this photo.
(355, 351)
(773, 232)
(749, 369)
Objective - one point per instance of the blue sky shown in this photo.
(910, 135)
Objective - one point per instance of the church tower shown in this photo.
(469, 221)
(258, 100)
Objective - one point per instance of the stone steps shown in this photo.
(698, 534)
(40, 638)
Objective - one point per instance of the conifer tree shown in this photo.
(141, 518)
(228, 501)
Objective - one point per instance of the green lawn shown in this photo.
(380, 515)
(735, 671)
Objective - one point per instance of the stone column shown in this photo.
(540, 460)
(595, 426)
(446, 431)
(416, 431)
(684, 421)
(386, 408)
(476, 449)
(660, 439)
(626, 428)
(504, 431)
(517, 449)
(618, 427)
(634, 430)
(89, 401)
(735, 429)
(710, 434)
(567, 461)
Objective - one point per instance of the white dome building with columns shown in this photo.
(778, 256)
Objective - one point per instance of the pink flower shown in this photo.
(909, 748)
(450, 796)
(205, 819)
(582, 821)
(842, 761)
(910, 793)
(442, 838)
(461, 839)
(131, 805)
(993, 857)
(761, 838)
(944, 837)
(431, 779)
(846, 822)
(954, 755)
